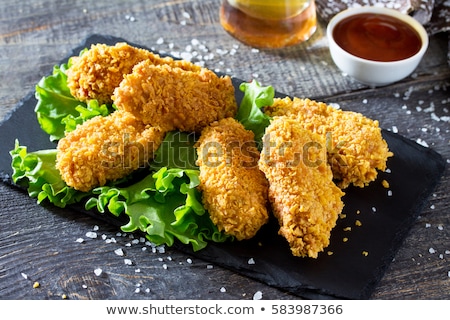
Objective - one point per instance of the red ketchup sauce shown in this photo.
(377, 37)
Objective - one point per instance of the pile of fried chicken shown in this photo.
(311, 151)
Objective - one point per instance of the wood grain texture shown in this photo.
(41, 242)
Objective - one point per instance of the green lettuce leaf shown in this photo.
(250, 112)
(176, 151)
(37, 172)
(85, 112)
(164, 205)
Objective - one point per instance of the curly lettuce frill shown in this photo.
(36, 171)
(250, 112)
(165, 205)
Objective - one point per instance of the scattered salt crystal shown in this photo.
(128, 262)
(431, 250)
(98, 272)
(364, 101)
(147, 290)
(79, 240)
(257, 295)
(169, 258)
(91, 234)
(24, 275)
(422, 142)
(84, 286)
(251, 261)
(447, 251)
(432, 206)
(188, 260)
(222, 289)
(374, 209)
(95, 228)
(335, 105)
(389, 193)
(119, 252)
(440, 227)
(209, 266)
(137, 270)
(164, 266)
(186, 15)
(448, 273)
(137, 290)
(254, 50)
(160, 40)
(427, 225)
(104, 237)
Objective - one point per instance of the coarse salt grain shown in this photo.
(251, 261)
(128, 262)
(24, 275)
(188, 260)
(91, 234)
(98, 272)
(431, 250)
(79, 240)
(119, 252)
(222, 289)
(258, 295)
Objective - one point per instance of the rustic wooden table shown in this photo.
(41, 244)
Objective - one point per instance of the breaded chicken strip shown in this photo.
(104, 149)
(97, 72)
(234, 190)
(302, 194)
(175, 99)
(356, 148)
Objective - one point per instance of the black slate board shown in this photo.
(346, 273)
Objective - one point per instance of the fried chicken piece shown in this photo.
(98, 71)
(355, 146)
(174, 98)
(104, 149)
(302, 193)
(234, 190)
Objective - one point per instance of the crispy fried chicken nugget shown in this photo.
(302, 194)
(104, 149)
(234, 190)
(98, 71)
(174, 98)
(356, 148)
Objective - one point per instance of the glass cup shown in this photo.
(269, 23)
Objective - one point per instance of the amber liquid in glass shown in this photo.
(269, 24)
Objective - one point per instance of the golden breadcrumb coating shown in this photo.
(234, 190)
(302, 194)
(356, 148)
(174, 98)
(104, 149)
(98, 71)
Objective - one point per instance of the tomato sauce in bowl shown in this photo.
(377, 37)
(375, 45)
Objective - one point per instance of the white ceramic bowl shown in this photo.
(370, 72)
